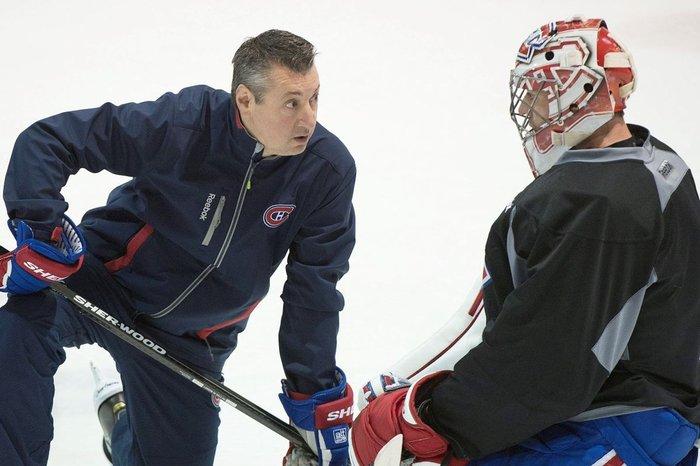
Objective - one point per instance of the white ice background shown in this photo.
(418, 91)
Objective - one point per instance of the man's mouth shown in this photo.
(301, 139)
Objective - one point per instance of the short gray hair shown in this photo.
(253, 59)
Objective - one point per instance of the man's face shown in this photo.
(284, 119)
(537, 105)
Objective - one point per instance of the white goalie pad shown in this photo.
(451, 342)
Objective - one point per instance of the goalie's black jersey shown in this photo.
(594, 305)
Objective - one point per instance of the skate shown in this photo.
(109, 405)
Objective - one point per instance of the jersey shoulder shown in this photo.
(194, 106)
(611, 201)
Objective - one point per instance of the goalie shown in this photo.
(591, 336)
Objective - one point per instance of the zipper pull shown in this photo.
(249, 185)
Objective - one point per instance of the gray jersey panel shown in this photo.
(518, 266)
(667, 168)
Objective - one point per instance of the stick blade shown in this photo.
(390, 454)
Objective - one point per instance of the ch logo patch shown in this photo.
(277, 214)
(536, 41)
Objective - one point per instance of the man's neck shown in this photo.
(246, 127)
(613, 131)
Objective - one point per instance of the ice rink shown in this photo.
(418, 91)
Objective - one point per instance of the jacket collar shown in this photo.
(610, 154)
(243, 144)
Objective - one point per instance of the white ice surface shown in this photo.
(419, 93)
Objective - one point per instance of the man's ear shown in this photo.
(244, 98)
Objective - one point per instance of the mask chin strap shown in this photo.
(569, 138)
(626, 90)
(620, 60)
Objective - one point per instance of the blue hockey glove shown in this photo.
(34, 264)
(323, 420)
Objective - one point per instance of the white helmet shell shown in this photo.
(570, 78)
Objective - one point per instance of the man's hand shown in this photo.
(393, 413)
(323, 420)
(34, 264)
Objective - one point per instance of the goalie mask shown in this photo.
(569, 79)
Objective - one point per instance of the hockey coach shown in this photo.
(222, 187)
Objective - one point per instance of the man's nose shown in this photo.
(523, 108)
(308, 116)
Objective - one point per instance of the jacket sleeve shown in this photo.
(120, 139)
(318, 258)
(572, 304)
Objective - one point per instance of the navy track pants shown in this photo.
(169, 421)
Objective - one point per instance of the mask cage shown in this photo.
(525, 93)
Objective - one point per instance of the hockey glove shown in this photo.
(395, 413)
(383, 383)
(323, 420)
(34, 264)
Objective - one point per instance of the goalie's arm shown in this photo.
(561, 312)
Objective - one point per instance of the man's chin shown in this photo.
(296, 150)
(289, 151)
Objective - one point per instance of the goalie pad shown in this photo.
(441, 351)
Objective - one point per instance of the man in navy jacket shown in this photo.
(222, 187)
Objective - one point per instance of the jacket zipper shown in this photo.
(215, 221)
(227, 241)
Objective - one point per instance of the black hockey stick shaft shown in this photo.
(157, 352)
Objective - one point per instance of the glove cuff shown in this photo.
(419, 392)
(419, 438)
(382, 383)
(65, 244)
(323, 419)
(323, 409)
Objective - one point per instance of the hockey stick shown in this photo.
(157, 352)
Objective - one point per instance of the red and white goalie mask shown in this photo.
(569, 79)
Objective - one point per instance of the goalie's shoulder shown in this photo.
(616, 201)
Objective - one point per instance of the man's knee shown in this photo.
(28, 360)
(156, 444)
(28, 335)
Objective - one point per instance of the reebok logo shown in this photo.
(207, 207)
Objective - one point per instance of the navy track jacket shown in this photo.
(195, 235)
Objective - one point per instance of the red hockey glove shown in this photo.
(394, 413)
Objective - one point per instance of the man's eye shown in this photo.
(291, 104)
(314, 98)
